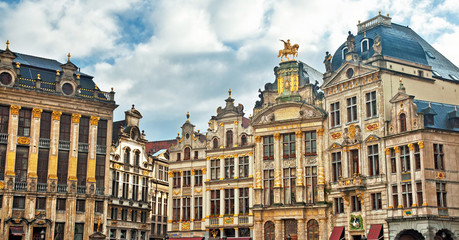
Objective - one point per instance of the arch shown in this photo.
(215, 143)
(187, 153)
(409, 234)
(243, 140)
(402, 119)
(343, 53)
(229, 138)
(444, 234)
(313, 230)
(127, 155)
(364, 45)
(269, 231)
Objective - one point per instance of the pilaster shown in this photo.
(92, 150)
(54, 149)
(34, 139)
(73, 153)
(277, 170)
(12, 141)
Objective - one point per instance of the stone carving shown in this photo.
(377, 45)
(312, 160)
(32, 185)
(327, 62)
(352, 134)
(268, 118)
(289, 163)
(350, 43)
(268, 164)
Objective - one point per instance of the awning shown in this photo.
(195, 238)
(375, 232)
(337, 233)
(17, 231)
(240, 238)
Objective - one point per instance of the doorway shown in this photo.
(39, 233)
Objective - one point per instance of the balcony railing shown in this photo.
(44, 142)
(214, 221)
(175, 226)
(42, 187)
(64, 145)
(243, 220)
(100, 191)
(101, 149)
(61, 188)
(83, 147)
(20, 186)
(3, 137)
(81, 189)
(197, 225)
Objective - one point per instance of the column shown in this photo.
(236, 232)
(207, 176)
(257, 201)
(389, 186)
(207, 207)
(222, 168)
(300, 167)
(320, 164)
(399, 176)
(34, 143)
(345, 163)
(236, 140)
(278, 229)
(323, 229)
(258, 230)
(301, 230)
(236, 202)
(236, 167)
(11, 147)
(73, 153)
(424, 187)
(92, 150)
(54, 149)
(277, 170)
(412, 174)
(251, 161)
(192, 203)
(222, 206)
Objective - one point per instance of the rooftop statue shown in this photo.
(288, 50)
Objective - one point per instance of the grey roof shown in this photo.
(401, 42)
(444, 113)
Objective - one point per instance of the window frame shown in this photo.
(335, 118)
(371, 105)
(351, 107)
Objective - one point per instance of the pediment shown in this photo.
(288, 112)
(400, 96)
(335, 146)
(341, 75)
(372, 138)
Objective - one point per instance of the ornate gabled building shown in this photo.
(187, 170)
(288, 125)
(229, 178)
(55, 126)
(160, 194)
(131, 181)
(370, 139)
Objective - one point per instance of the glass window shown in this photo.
(215, 203)
(215, 143)
(198, 208)
(102, 132)
(402, 122)
(215, 169)
(229, 168)
(4, 116)
(351, 109)
(79, 230)
(18, 202)
(20, 167)
(354, 155)
(243, 167)
(371, 106)
(127, 156)
(42, 165)
(63, 166)
(310, 143)
(176, 209)
(376, 201)
(419, 193)
(243, 201)
(83, 131)
(187, 153)
(176, 179)
(335, 114)
(61, 204)
(417, 156)
(82, 168)
(395, 195)
(339, 205)
(405, 158)
(356, 205)
(269, 231)
(438, 156)
(229, 138)
(373, 160)
(40, 203)
(289, 185)
(64, 129)
(407, 195)
(80, 205)
(311, 184)
(313, 230)
(24, 122)
(2, 160)
(198, 178)
(268, 148)
(441, 194)
(229, 201)
(116, 183)
(268, 186)
(59, 231)
(186, 178)
(45, 125)
(288, 144)
(336, 166)
(393, 160)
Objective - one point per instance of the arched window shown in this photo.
(243, 140)
(187, 154)
(364, 45)
(313, 230)
(344, 52)
(402, 122)
(137, 158)
(215, 143)
(269, 230)
(127, 156)
(229, 138)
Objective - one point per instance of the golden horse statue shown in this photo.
(288, 50)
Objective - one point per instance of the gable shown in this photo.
(347, 72)
(288, 112)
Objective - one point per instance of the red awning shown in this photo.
(195, 238)
(17, 231)
(375, 231)
(336, 234)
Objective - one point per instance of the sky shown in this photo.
(172, 57)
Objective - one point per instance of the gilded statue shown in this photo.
(288, 50)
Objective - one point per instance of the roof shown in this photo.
(443, 114)
(153, 147)
(403, 43)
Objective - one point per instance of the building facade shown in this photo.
(55, 129)
(160, 195)
(131, 171)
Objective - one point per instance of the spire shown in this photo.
(229, 93)
(68, 57)
(7, 45)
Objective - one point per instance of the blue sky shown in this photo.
(169, 57)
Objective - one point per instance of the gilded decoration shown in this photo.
(289, 49)
(14, 109)
(258, 181)
(204, 170)
(387, 150)
(299, 134)
(228, 220)
(185, 226)
(396, 149)
(277, 136)
(300, 179)
(277, 178)
(410, 146)
(24, 140)
(145, 172)
(171, 174)
(336, 135)
(198, 190)
(192, 172)
(421, 144)
(176, 192)
(440, 175)
(356, 222)
(76, 117)
(257, 139)
(181, 173)
(372, 138)
(2, 185)
(335, 146)
(94, 120)
(57, 115)
(372, 127)
(320, 131)
(36, 112)
(236, 122)
(117, 166)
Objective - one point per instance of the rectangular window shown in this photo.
(18, 202)
(125, 186)
(83, 130)
(339, 205)
(268, 186)
(4, 116)
(268, 148)
(335, 114)
(351, 109)
(198, 208)
(22, 159)
(143, 216)
(289, 185)
(2, 160)
(215, 169)
(124, 214)
(441, 194)
(64, 128)
(59, 231)
(393, 159)
(176, 210)
(80, 205)
(144, 189)
(186, 178)
(25, 116)
(82, 168)
(176, 180)
(229, 201)
(376, 201)
(419, 193)
(311, 184)
(356, 205)
(310, 143)
(42, 165)
(215, 203)
(178, 157)
(79, 229)
(116, 183)
(114, 213)
(134, 216)
(244, 167)
(371, 104)
(102, 133)
(438, 156)
(40, 203)
(45, 125)
(123, 234)
(336, 166)
(63, 166)
(135, 188)
(373, 160)
(354, 154)
(407, 195)
(417, 156)
(61, 204)
(197, 178)
(288, 146)
(196, 155)
(405, 158)
(100, 171)
(229, 168)
(243, 201)
(186, 209)
(395, 195)
(99, 207)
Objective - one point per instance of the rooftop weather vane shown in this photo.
(288, 50)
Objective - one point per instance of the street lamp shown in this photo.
(42, 234)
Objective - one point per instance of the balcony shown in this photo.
(214, 221)
(351, 183)
(20, 186)
(44, 142)
(42, 187)
(81, 189)
(4, 138)
(197, 225)
(175, 226)
(61, 188)
(100, 191)
(101, 149)
(64, 145)
(83, 147)
(243, 220)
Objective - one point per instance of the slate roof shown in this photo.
(403, 43)
(443, 114)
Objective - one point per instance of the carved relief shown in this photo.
(352, 134)
(258, 181)
(76, 118)
(94, 120)
(289, 163)
(36, 112)
(57, 115)
(14, 109)
(268, 164)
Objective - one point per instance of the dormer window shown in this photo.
(229, 138)
(187, 153)
(127, 154)
(428, 119)
(436, 74)
(402, 122)
(454, 77)
(215, 143)
(137, 158)
(244, 140)
(365, 45)
(344, 51)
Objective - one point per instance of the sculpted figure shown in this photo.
(327, 61)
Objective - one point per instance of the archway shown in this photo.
(269, 231)
(409, 234)
(444, 234)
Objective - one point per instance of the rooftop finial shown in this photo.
(429, 104)
(68, 57)
(229, 92)
(401, 88)
(388, 14)
(187, 116)
(379, 12)
(455, 108)
(7, 44)
(132, 106)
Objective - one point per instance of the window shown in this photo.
(269, 231)
(18, 202)
(215, 169)
(178, 157)
(42, 165)
(123, 234)
(344, 52)
(373, 160)
(289, 185)
(395, 195)
(40, 203)
(402, 122)
(99, 207)
(102, 132)
(407, 195)
(20, 167)
(356, 205)
(80, 205)
(215, 203)
(127, 156)
(313, 230)
(79, 229)
(59, 231)
(24, 122)
(229, 138)
(288, 146)
(100, 171)
(417, 156)
(229, 201)
(125, 186)
(229, 168)
(153, 205)
(144, 189)
(335, 114)
(175, 210)
(339, 205)
(268, 148)
(198, 178)
(187, 153)
(438, 156)
(63, 166)
(336, 166)
(419, 193)
(244, 167)
(64, 128)
(215, 143)
(376, 201)
(61, 204)
(134, 216)
(176, 179)
(243, 140)
(115, 183)
(45, 125)
(198, 208)
(2, 160)
(268, 186)
(112, 234)
(137, 158)
(405, 158)
(186, 178)
(364, 45)
(124, 214)
(310, 143)
(372, 110)
(4, 116)
(135, 188)
(83, 131)
(393, 160)
(441, 194)
(114, 213)
(196, 155)
(354, 154)
(243, 201)
(82, 168)
(311, 184)
(351, 109)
